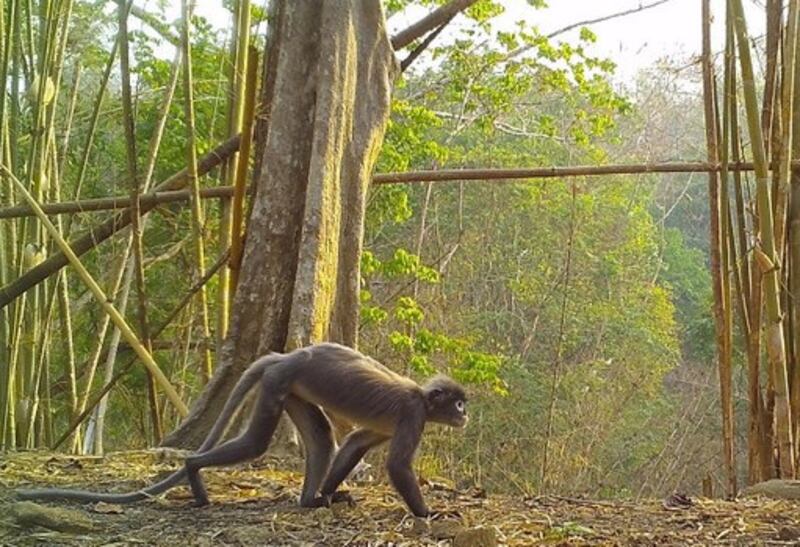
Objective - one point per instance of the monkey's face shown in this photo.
(447, 407)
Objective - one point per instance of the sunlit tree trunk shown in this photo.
(328, 79)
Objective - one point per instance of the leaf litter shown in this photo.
(257, 505)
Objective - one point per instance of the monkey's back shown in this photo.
(352, 385)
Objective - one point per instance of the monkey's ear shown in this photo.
(435, 395)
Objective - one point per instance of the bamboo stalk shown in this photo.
(776, 349)
(793, 223)
(40, 373)
(449, 175)
(194, 182)
(770, 123)
(158, 133)
(7, 241)
(94, 439)
(73, 103)
(14, 53)
(759, 444)
(240, 81)
(784, 150)
(116, 281)
(98, 293)
(716, 244)
(61, 293)
(242, 167)
(136, 230)
(93, 120)
(9, 38)
(781, 180)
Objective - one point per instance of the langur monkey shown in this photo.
(386, 406)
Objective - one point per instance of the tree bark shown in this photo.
(328, 78)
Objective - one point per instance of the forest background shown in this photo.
(578, 310)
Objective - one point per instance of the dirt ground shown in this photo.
(257, 506)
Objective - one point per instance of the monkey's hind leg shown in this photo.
(317, 434)
(250, 444)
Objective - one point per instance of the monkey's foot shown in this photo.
(200, 503)
(341, 496)
(326, 500)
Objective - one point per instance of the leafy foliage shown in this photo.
(580, 301)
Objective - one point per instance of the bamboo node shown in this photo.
(765, 263)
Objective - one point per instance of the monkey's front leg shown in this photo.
(401, 454)
(354, 447)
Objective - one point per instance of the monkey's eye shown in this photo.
(460, 406)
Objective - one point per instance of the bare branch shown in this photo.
(434, 19)
(640, 8)
(153, 21)
(423, 46)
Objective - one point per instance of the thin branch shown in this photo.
(153, 21)
(571, 26)
(434, 19)
(417, 51)
(640, 8)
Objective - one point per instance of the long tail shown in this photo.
(253, 373)
(50, 494)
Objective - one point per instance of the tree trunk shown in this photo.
(328, 78)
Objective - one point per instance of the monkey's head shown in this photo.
(445, 401)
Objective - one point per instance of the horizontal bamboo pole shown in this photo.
(153, 199)
(442, 175)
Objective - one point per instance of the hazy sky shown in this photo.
(633, 41)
